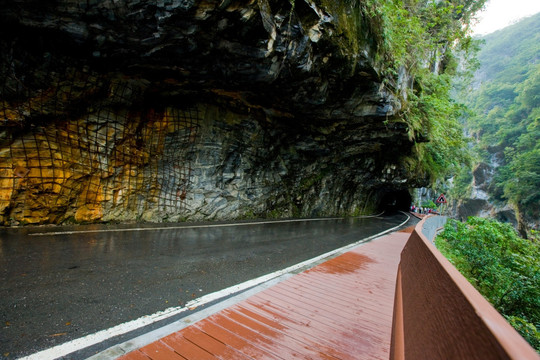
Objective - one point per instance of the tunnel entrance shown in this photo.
(391, 200)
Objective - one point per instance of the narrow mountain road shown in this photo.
(62, 283)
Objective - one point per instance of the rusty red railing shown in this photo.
(438, 314)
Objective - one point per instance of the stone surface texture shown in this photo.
(479, 203)
(173, 110)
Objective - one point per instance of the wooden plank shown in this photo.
(303, 346)
(338, 314)
(233, 340)
(333, 347)
(298, 322)
(160, 351)
(335, 294)
(186, 348)
(343, 327)
(264, 338)
(135, 355)
(213, 346)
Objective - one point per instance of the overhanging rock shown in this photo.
(173, 110)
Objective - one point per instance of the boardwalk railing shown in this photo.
(438, 314)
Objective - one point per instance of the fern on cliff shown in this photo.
(443, 148)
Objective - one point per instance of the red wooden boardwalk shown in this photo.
(341, 309)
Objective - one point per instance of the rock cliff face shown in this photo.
(478, 203)
(185, 109)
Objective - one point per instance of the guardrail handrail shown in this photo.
(438, 314)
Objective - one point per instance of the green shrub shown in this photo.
(502, 266)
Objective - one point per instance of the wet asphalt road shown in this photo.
(55, 288)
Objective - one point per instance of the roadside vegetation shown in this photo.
(502, 266)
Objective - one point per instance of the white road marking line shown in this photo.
(189, 226)
(118, 350)
(103, 335)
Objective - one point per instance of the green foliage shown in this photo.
(462, 183)
(413, 31)
(509, 52)
(526, 329)
(433, 119)
(507, 108)
(503, 267)
(354, 31)
(523, 187)
(506, 116)
(429, 204)
(422, 39)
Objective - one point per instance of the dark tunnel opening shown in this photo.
(391, 200)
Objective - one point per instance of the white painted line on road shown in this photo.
(148, 338)
(190, 226)
(103, 335)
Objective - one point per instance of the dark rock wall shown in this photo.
(174, 110)
(479, 203)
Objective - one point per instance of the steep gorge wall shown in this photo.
(124, 110)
